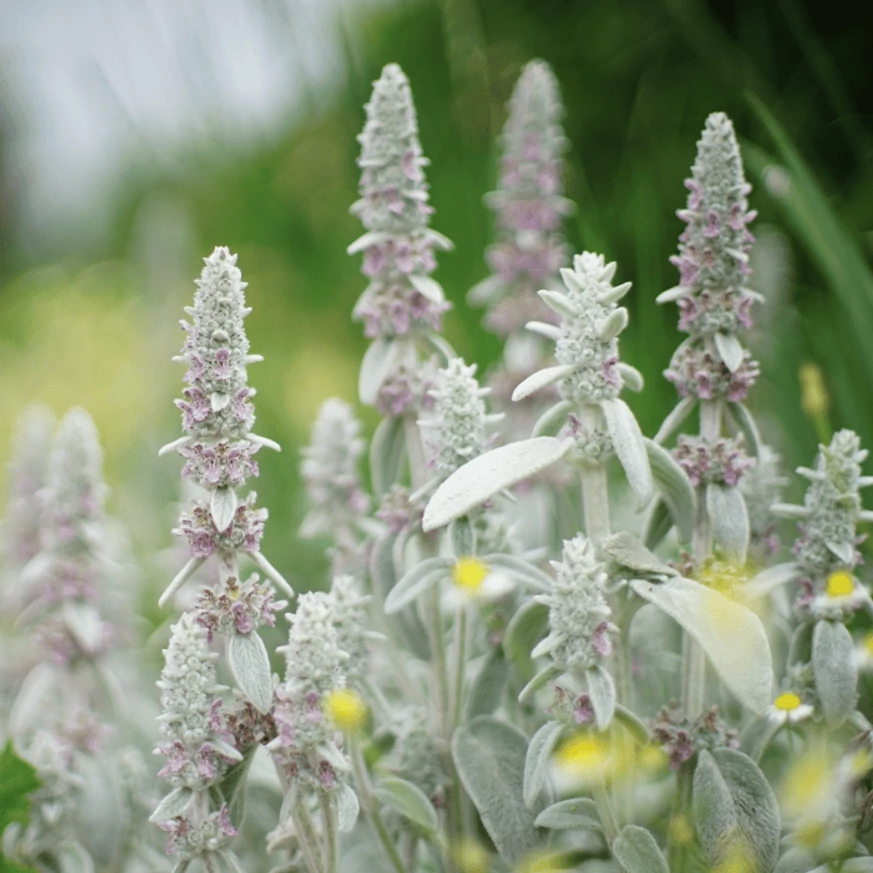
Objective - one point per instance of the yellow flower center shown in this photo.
(347, 711)
(868, 643)
(469, 573)
(840, 584)
(585, 756)
(787, 701)
(471, 857)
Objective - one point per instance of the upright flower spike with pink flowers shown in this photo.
(402, 306)
(217, 415)
(529, 210)
(711, 368)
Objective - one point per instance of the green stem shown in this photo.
(595, 492)
(306, 837)
(679, 828)
(331, 835)
(460, 666)
(606, 813)
(370, 807)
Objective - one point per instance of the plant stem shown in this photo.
(595, 494)
(369, 806)
(693, 659)
(306, 837)
(460, 666)
(606, 813)
(331, 837)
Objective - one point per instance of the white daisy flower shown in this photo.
(787, 708)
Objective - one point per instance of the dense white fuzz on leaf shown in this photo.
(579, 625)
(455, 428)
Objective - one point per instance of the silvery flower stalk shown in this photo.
(711, 368)
(59, 715)
(196, 749)
(219, 448)
(823, 664)
(402, 306)
(529, 210)
(339, 507)
(307, 749)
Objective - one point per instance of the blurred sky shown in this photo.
(88, 84)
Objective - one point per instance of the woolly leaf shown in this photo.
(421, 577)
(729, 518)
(175, 803)
(627, 551)
(732, 636)
(428, 287)
(347, 809)
(377, 361)
(637, 852)
(612, 325)
(536, 762)
(483, 477)
(631, 376)
(490, 757)
(250, 665)
(730, 350)
(551, 421)
(675, 489)
(835, 668)
(233, 786)
(633, 725)
(387, 451)
(525, 629)
(601, 690)
(539, 681)
(771, 578)
(630, 448)
(675, 418)
(747, 427)
(409, 800)
(578, 812)
(523, 570)
(540, 379)
(222, 507)
(735, 809)
(489, 684)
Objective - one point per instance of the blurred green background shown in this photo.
(90, 296)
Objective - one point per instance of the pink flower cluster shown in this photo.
(237, 608)
(220, 465)
(244, 533)
(698, 373)
(721, 462)
(681, 738)
(199, 417)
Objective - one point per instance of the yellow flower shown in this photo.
(346, 709)
(470, 856)
(814, 398)
(475, 581)
(840, 584)
(469, 573)
(788, 708)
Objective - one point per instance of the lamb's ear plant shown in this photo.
(204, 739)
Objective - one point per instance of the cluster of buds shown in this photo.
(579, 626)
(305, 746)
(682, 738)
(237, 607)
(458, 419)
(402, 302)
(721, 461)
(528, 206)
(713, 264)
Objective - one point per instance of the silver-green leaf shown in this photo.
(222, 507)
(835, 668)
(421, 577)
(409, 800)
(578, 812)
(490, 756)
(250, 665)
(601, 691)
(731, 801)
(730, 350)
(731, 635)
(175, 803)
(536, 762)
(483, 477)
(387, 451)
(730, 519)
(630, 448)
(675, 489)
(637, 852)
